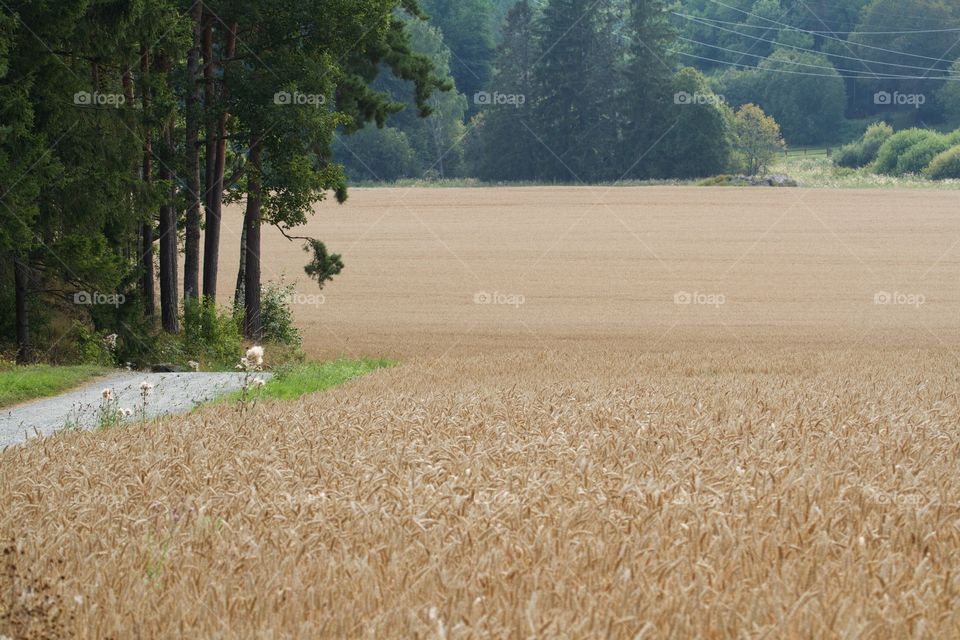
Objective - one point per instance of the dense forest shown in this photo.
(578, 91)
(127, 125)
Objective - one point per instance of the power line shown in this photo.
(801, 73)
(846, 42)
(870, 75)
(815, 31)
(824, 53)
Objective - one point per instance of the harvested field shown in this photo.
(779, 460)
(602, 265)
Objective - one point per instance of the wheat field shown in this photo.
(623, 413)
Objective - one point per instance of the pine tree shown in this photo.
(647, 111)
(510, 150)
(467, 27)
(192, 116)
(101, 133)
(284, 120)
(76, 71)
(20, 184)
(218, 44)
(574, 93)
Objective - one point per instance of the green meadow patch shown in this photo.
(19, 384)
(292, 381)
(289, 383)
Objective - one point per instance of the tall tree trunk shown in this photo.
(169, 306)
(211, 237)
(147, 275)
(252, 327)
(217, 150)
(242, 271)
(191, 252)
(21, 285)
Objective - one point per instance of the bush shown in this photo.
(945, 166)
(276, 314)
(722, 180)
(874, 137)
(916, 158)
(897, 145)
(210, 337)
(863, 152)
(93, 347)
(850, 155)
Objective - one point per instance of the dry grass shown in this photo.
(762, 473)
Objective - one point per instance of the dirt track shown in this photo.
(81, 408)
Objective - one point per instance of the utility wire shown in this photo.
(818, 31)
(846, 42)
(800, 73)
(824, 53)
(869, 74)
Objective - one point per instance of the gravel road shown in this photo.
(172, 393)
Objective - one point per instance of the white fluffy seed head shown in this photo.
(255, 355)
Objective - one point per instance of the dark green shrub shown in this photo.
(897, 145)
(849, 155)
(946, 166)
(211, 337)
(916, 158)
(864, 151)
(93, 347)
(722, 180)
(276, 313)
(873, 139)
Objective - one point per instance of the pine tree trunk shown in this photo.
(251, 225)
(216, 149)
(242, 271)
(21, 286)
(211, 237)
(191, 253)
(147, 275)
(169, 306)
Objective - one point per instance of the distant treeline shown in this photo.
(584, 90)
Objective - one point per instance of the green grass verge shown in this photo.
(19, 384)
(292, 381)
(820, 172)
